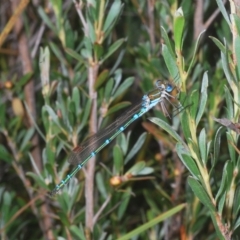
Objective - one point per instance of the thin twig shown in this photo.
(199, 25)
(101, 209)
(79, 7)
(151, 25)
(20, 211)
(13, 20)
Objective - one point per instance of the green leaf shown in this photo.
(123, 141)
(194, 54)
(47, 20)
(5, 155)
(216, 148)
(226, 61)
(88, 44)
(200, 192)
(118, 160)
(76, 100)
(202, 141)
(91, 31)
(187, 161)
(27, 137)
(77, 232)
(219, 44)
(146, 171)
(69, 36)
(117, 79)
(167, 128)
(235, 18)
(171, 63)
(236, 224)
(135, 149)
(231, 149)
(185, 125)
(58, 53)
(167, 42)
(223, 11)
(117, 107)
(2, 116)
(203, 100)
(123, 87)
(229, 102)
(236, 205)
(136, 168)
(65, 205)
(114, 47)
(98, 50)
(86, 113)
(75, 55)
(199, 223)
(101, 185)
(102, 77)
(237, 52)
(118, 61)
(124, 203)
(86, 53)
(112, 15)
(214, 216)
(179, 22)
(194, 98)
(23, 80)
(194, 149)
(191, 165)
(53, 116)
(38, 180)
(93, 10)
(221, 203)
(223, 186)
(209, 147)
(108, 89)
(152, 222)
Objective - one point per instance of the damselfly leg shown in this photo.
(167, 89)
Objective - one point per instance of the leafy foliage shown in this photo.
(95, 59)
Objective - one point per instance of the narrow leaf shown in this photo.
(136, 147)
(203, 100)
(202, 141)
(113, 48)
(222, 8)
(171, 63)
(152, 223)
(201, 193)
(179, 22)
(167, 128)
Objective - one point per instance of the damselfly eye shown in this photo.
(169, 88)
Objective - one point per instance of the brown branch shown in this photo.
(12, 21)
(151, 25)
(20, 211)
(89, 183)
(199, 24)
(198, 18)
(23, 48)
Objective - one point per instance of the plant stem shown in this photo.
(89, 183)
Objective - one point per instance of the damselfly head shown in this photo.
(164, 86)
(167, 95)
(169, 88)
